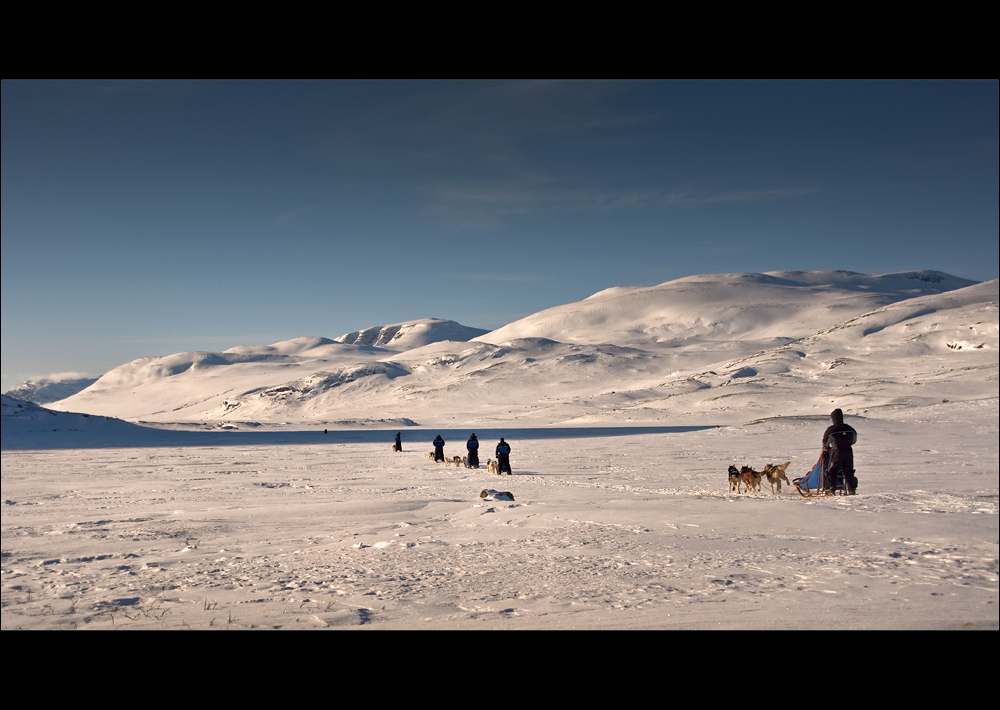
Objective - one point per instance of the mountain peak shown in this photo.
(411, 334)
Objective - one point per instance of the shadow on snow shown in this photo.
(414, 439)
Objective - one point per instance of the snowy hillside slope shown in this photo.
(543, 381)
(724, 308)
(22, 418)
(926, 350)
(779, 343)
(158, 386)
(48, 390)
(447, 382)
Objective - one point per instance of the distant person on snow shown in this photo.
(503, 457)
(399, 441)
(438, 448)
(472, 446)
(837, 442)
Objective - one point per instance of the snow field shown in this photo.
(617, 532)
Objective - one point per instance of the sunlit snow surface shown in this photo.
(620, 515)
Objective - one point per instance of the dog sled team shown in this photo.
(833, 474)
(751, 480)
(471, 460)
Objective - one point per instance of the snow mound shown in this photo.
(295, 346)
(411, 334)
(21, 418)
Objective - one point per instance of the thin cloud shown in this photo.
(479, 125)
(487, 208)
(61, 376)
(706, 198)
(196, 340)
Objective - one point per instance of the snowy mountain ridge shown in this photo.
(716, 307)
(50, 389)
(624, 353)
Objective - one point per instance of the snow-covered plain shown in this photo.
(232, 508)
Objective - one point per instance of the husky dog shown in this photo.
(491, 466)
(734, 479)
(776, 474)
(751, 478)
(430, 456)
(456, 460)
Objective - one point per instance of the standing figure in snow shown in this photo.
(438, 448)
(472, 446)
(837, 442)
(503, 457)
(399, 441)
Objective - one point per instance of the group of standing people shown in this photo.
(472, 447)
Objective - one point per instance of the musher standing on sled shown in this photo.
(438, 448)
(838, 440)
(473, 448)
(399, 441)
(503, 457)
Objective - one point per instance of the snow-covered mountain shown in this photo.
(49, 389)
(924, 350)
(713, 347)
(724, 308)
(411, 334)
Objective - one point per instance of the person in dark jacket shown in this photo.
(837, 442)
(472, 446)
(438, 448)
(399, 441)
(503, 457)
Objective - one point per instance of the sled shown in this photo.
(813, 484)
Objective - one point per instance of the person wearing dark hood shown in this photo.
(837, 442)
(438, 448)
(503, 457)
(472, 446)
(399, 441)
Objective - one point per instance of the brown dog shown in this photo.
(776, 474)
(751, 478)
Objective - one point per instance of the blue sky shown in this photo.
(146, 218)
